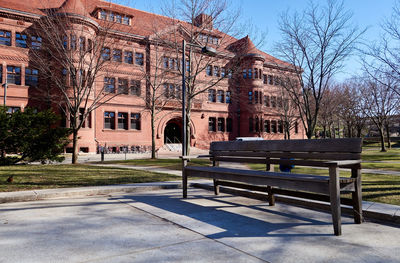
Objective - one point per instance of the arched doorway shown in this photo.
(173, 132)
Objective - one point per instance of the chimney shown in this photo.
(204, 21)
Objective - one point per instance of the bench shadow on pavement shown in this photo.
(242, 220)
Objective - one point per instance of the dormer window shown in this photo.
(114, 17)
(208, 39)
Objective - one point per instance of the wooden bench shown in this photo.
(330, 153)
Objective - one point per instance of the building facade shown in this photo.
(243, 98)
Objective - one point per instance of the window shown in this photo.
(220, 96)
(273, 102)
(257, 124)
(229, 124)
(117, 55)
(31, 77)
(212, 124)
(266, 101)
(178, 92)
(296, 127)
(122, 120)
(209, 70)
(105, 54)
(244, 73)
(260, 74)
(128, 57)
(14, 75)
(211, 95)
(171, 63)
(280, 126)
(250, 73)
(251, 125)
(82, 43)
(89, 45)
(65, 42)
(229, 73)
(280, 102)
(64, 74)
(118, 18)
(270, 80)
(109, 120)
(135, 121)
(273, 127)
(256, 97)
(250, 97)
(221, 124)
(1, 73)
(228, 97)
(5, 38)
(223, 72)
(111, 16)
(73, 42)
(165, 62)
(256, 73)
(125, 20)
(11, 110)
(171, 92)
(123, 86)
(187, 66)
(267, 126)
(135, 87)
(139, 59)
(20, 40)
(103, 15)
(216, 71)
(109, 85)
(265, 79)
(87, 123)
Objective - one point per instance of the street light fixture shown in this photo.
(205, 50)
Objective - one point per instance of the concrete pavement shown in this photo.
(159, 226)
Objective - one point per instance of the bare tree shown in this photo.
(74, 56)
(316, 42)
(208, 24)
(329, 111)
(378, 102)
(287, 110)
(383, 56)
(349, 108)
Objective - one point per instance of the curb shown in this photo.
(319, 205)
(34, 195)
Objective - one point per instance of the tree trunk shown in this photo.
(74, 147)
(187, 125)
(389, 144)
(153, 138)
(382, 135)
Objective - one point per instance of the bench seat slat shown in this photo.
(283, 176)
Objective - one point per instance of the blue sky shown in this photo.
(265, 14)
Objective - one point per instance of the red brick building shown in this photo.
(243, 103)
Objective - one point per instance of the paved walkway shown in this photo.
(160, 226)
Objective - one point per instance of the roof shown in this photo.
(143, 23)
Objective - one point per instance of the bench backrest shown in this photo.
(318, 149)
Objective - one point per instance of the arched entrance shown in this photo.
(173, 132)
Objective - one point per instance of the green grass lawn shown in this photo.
(375, 187)
(375, 154)
(28, 177)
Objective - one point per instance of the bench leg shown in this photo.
(271, 197)
(357, 196)
(184, 179)
(216, 187)
(334, 193)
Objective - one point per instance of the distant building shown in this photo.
(243, 104)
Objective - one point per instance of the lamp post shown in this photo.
(5, 93)
(205, 50)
